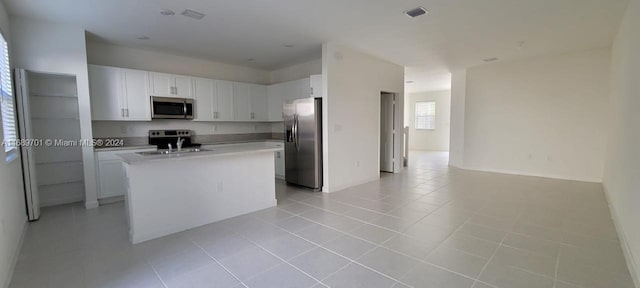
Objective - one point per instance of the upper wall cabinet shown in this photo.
(119, 94)
(169, 85)
(214, 99)
(249, 102)
(291, 90)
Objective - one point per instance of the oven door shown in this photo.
(171, 108)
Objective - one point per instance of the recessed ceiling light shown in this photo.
(409, 82)
(251, 59)
(413, 13)
(167, 12)
(143, 38)
(490, 59)
(288, 45)
(193, 14)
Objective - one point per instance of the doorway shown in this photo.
(48, 112)
(387, 131)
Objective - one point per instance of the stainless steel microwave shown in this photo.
(171, 108)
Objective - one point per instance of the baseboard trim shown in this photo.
(520, 173)
(14, 261)
(91, 204)
(342, 187)
(626, 250)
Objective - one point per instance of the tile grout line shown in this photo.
(218, 262)
(492, 256)
(380, 246)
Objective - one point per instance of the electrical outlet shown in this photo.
(123, 129)
(213, 128)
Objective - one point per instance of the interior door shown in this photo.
(27, 151)
(387, 124)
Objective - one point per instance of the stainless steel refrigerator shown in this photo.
(303, 142)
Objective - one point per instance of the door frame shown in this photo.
(394, 124)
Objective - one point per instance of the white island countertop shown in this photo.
(210, 151)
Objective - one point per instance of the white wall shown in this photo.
(351, 114)
(434, 140)
(13, 217)
(622, 169)
(55, 48)
(543, 116)
(295, 72)
(105, 129)
(133, 58)
(458, 95)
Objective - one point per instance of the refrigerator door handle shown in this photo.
(296, 139)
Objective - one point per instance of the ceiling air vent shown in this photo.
(193, 14)
(416, 12)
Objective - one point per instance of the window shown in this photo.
(7, 102)
(426, 115)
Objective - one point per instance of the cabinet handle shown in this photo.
(176, 87)
(311, 90)
(122, 111)
(127, 110)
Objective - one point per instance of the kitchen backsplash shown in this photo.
(120, 129)
(136, 133)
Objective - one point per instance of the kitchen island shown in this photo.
(169, 193)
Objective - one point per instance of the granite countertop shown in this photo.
(223, 150)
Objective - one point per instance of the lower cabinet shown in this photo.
(110, 172)
(279, 159)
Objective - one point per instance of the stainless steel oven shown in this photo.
(171, 108)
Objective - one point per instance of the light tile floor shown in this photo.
(432, 226)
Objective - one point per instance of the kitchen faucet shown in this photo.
(179, 143)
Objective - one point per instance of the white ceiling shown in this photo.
(456, 33)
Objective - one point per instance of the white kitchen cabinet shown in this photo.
(111, 175)
(119, 94)
(137, 95)
(258, 95)
(105, 85)
(279, 162)
(242, 101)
(169, 85)
(205, 94)
(316, 86)
(250, 102)
(214, 99)
(275, 100)
(280, 93)
(224, 109)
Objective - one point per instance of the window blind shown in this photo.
(425, 115)
(9, 128)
